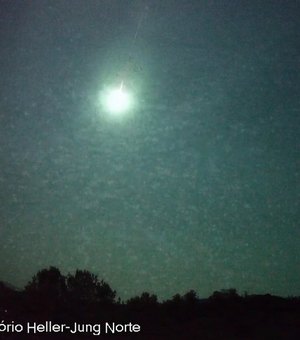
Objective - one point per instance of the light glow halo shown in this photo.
(117, 100)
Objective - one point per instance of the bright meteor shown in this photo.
(117, 100)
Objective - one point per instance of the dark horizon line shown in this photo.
(245, 293)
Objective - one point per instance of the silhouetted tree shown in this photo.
(190, 297)
(85, 286)
(47, 288)
(181, 306)
(145, 300)
(47, 281)
(225, 294)
(176, 299)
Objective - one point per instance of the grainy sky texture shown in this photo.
(195, 187)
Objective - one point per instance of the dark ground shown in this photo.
(224, 315)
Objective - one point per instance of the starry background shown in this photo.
(196, 188)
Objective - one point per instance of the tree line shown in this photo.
(83, 297)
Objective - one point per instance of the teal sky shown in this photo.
(195, 187)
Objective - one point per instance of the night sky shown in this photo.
(196, 186)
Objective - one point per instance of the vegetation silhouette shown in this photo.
(85, 286)
(83, 298)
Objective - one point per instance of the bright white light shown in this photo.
(117, 100)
